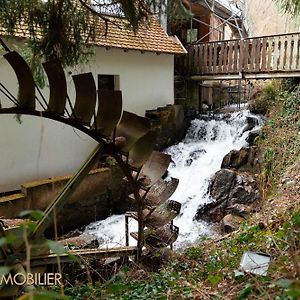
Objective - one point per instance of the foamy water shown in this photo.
(195, 160)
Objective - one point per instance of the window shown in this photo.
(192, 35)
(108, 82)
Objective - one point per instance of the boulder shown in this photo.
(228, 188)
(194, 156)
(231, 223)
(169, 122)
(240, 210)
(252, 137)
(251, 123)
(221, 184)
(188, 162)
(246, 159)
(197, 153)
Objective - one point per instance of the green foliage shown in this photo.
(292, 102)
(279, 138)
(34, 61)
(4, 271)
(245, 292)
(34, 215)
(264, 98)
(212, 268)
(56, 247)
(42, 295)
(56, 28)
(62, 29)
(268, 166)
(121, 286)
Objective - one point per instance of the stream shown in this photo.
(194, 161)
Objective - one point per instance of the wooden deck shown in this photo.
(275, 56)
(105, 253)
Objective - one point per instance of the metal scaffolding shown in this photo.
(235, 19)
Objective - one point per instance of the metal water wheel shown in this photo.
(126, 137)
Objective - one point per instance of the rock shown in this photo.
(201, 133)
(189, 115)
(246, 159)
(234, 159)
(171, 123)
(188, 162)
(240, 210)
(228, 188)
(257, 104)
(231, 223)
(251, 123)
(197, 153)
(194, 156)
(252, 137)
(221, 184)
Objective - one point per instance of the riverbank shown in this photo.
(210, 270)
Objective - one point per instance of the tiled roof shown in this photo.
(148, 38)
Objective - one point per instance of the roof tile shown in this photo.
(150, 37)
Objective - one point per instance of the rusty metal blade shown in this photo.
(26, 94)
(109, 111)
(58, 86)
(160, 216)
(131, 127)
(161, 237)
(154, 168)
(142, 149)
(161, 191)
(86, 96)
(163, 214)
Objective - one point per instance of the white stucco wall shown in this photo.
(146, 79)
(39, 148)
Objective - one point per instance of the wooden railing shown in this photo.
(276, 53)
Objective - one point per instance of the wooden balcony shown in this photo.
(250, 58)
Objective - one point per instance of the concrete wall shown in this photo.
(266, 18)
(98, 196)
(37, 148)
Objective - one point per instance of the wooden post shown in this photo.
(264, 55)
(205, 62)
(126, 231)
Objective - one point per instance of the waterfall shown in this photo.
(194, 161)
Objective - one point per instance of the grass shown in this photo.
(211, 269)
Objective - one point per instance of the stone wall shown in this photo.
(171, 123)
(168, 122)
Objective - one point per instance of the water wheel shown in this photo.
(126, 137)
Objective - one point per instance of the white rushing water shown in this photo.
(194, 161)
